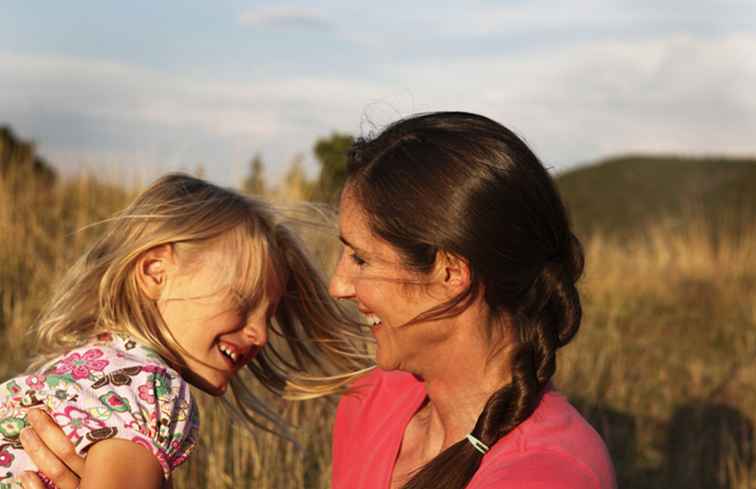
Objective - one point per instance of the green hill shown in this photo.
(620, 195)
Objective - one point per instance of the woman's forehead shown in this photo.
(353, 221)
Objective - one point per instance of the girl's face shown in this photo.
(371, 274)
(220, 335)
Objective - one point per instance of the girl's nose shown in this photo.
(256, 332)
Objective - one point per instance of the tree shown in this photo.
(331, 153)
(296, 186)
(255, 182)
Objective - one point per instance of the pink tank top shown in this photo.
(554, 448)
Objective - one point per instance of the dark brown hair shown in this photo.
(463, 184)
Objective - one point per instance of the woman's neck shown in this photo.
(462, 379)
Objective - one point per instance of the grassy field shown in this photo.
(664, 366)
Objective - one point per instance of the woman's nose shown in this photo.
(341, 285)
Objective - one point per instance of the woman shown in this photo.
(458, 250)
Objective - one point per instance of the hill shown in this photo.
(17, 156)
(624, 194)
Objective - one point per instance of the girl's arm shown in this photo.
(120, 464)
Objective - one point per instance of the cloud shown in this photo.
(582, 101)
(573, 103)
(580, 17)
(82, 110)
(284, 18)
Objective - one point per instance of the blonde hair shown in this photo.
(322, 349)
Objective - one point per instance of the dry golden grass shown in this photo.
(664, 362)
(663, 365)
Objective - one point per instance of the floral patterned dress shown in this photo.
(112, 387)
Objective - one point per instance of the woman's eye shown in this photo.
(357, 259)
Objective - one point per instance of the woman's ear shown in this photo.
(152, 270)
(454, 272)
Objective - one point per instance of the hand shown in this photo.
(51, 451)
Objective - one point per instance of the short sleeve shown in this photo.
(148, 404)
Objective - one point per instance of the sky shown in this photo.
(143, 87)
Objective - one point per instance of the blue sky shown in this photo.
(140, 88)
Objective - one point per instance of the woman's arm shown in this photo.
(109, 464)
(51, 451)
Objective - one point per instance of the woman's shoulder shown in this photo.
(380, 386)
(537, 469)
(555, 442)
(557, 425)
(377, 398)
(369, 423)
(381, 380)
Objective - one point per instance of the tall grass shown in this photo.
(664, 365)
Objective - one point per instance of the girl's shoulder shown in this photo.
(105, 353)
(112, 386)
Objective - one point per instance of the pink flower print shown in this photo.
(152, 368)
(73, 419)
(145, 392)
(135, 426)
(36, 382)
(80, 365)
(6, 458)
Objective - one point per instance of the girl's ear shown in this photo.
(454, 272)
(153, 268)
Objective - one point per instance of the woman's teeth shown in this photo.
(228, 352)
(373, 320)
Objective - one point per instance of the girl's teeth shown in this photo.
(227, 351)
(373, 320)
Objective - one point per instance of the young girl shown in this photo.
(183, 287)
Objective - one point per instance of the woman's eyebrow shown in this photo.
(345, 242)
(359, 250)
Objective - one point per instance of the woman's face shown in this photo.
(371, 274)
